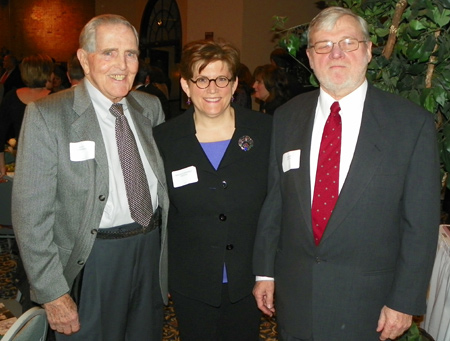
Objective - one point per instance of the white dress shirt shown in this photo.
(116, 211)
(351, 116)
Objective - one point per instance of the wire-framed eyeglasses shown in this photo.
(204, 82)
(346, 45)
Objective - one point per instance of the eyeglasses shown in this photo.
(203, 82)
(346, 45)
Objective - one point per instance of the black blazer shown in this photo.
(14, 81)
(213, 221)
(379, 245)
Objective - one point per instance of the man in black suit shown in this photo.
(11, 78)
(144, 82)
(361, 272)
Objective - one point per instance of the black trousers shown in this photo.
(120, 296)
(198, 321)
(283, 336)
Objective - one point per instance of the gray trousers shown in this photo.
(120, 296)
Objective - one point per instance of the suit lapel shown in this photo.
(144, 127)
(87, 128)
(303, 181)
(368, 153)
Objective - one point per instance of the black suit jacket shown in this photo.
(14, 81)
(379, 245)
(213, 221)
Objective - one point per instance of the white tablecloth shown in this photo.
(437, 318)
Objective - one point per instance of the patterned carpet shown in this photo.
(8, 263)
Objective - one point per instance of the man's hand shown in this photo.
(62, 315)
(392, 324)
(263, 292)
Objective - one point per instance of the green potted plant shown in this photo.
(411, 54)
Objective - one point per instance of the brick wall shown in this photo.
(43, 26)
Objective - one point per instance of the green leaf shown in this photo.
(421, 51)
(416, 25)
(428, 101)
(413, 334)
(440, 95)
(313, 80)
(382, 32)
(441, 18)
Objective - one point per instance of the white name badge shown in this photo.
(184, 176)
(291, 160)
(82, 151)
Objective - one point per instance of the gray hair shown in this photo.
(326, 20)
(88, 34)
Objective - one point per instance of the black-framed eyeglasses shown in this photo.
(346, 45)
(204, 82)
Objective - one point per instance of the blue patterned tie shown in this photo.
(138, 193)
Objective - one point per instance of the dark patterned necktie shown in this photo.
(326, 187)
(138, 193)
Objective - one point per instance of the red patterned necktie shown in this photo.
(136, 185)
(326, 187)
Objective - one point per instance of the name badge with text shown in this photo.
(82, 151)
(184, 176)
(291, 160)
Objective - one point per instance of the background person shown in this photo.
(355, 266)
(215, 157)
(75, 72)
(94, 254)
(10, 79)
(35, 70)
(271, 88)
(243, 94)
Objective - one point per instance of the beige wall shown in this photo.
(246, 23)
(130, 9)
(256, 32)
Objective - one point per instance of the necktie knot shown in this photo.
(116, 109)
(335, 109)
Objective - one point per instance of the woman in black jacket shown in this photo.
(216, 160)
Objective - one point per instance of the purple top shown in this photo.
(215, 152)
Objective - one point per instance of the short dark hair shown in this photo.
(204, 52)
(74, 68)
(275, 80)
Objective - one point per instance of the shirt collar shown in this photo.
(353, 100)
(101, 101)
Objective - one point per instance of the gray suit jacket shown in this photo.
(379, 245)
(58, 203)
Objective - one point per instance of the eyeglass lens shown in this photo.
(204, 82)
(346, 45)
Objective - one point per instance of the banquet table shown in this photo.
(437, 318)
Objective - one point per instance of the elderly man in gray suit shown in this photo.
(349, 227)
(90, 201)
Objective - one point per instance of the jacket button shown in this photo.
(222, 217)
(101, 197)
(224, 184)
(94, 231)
(230, 247)
(80, 262)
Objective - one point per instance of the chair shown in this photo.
(30, 326)
(5, 211)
